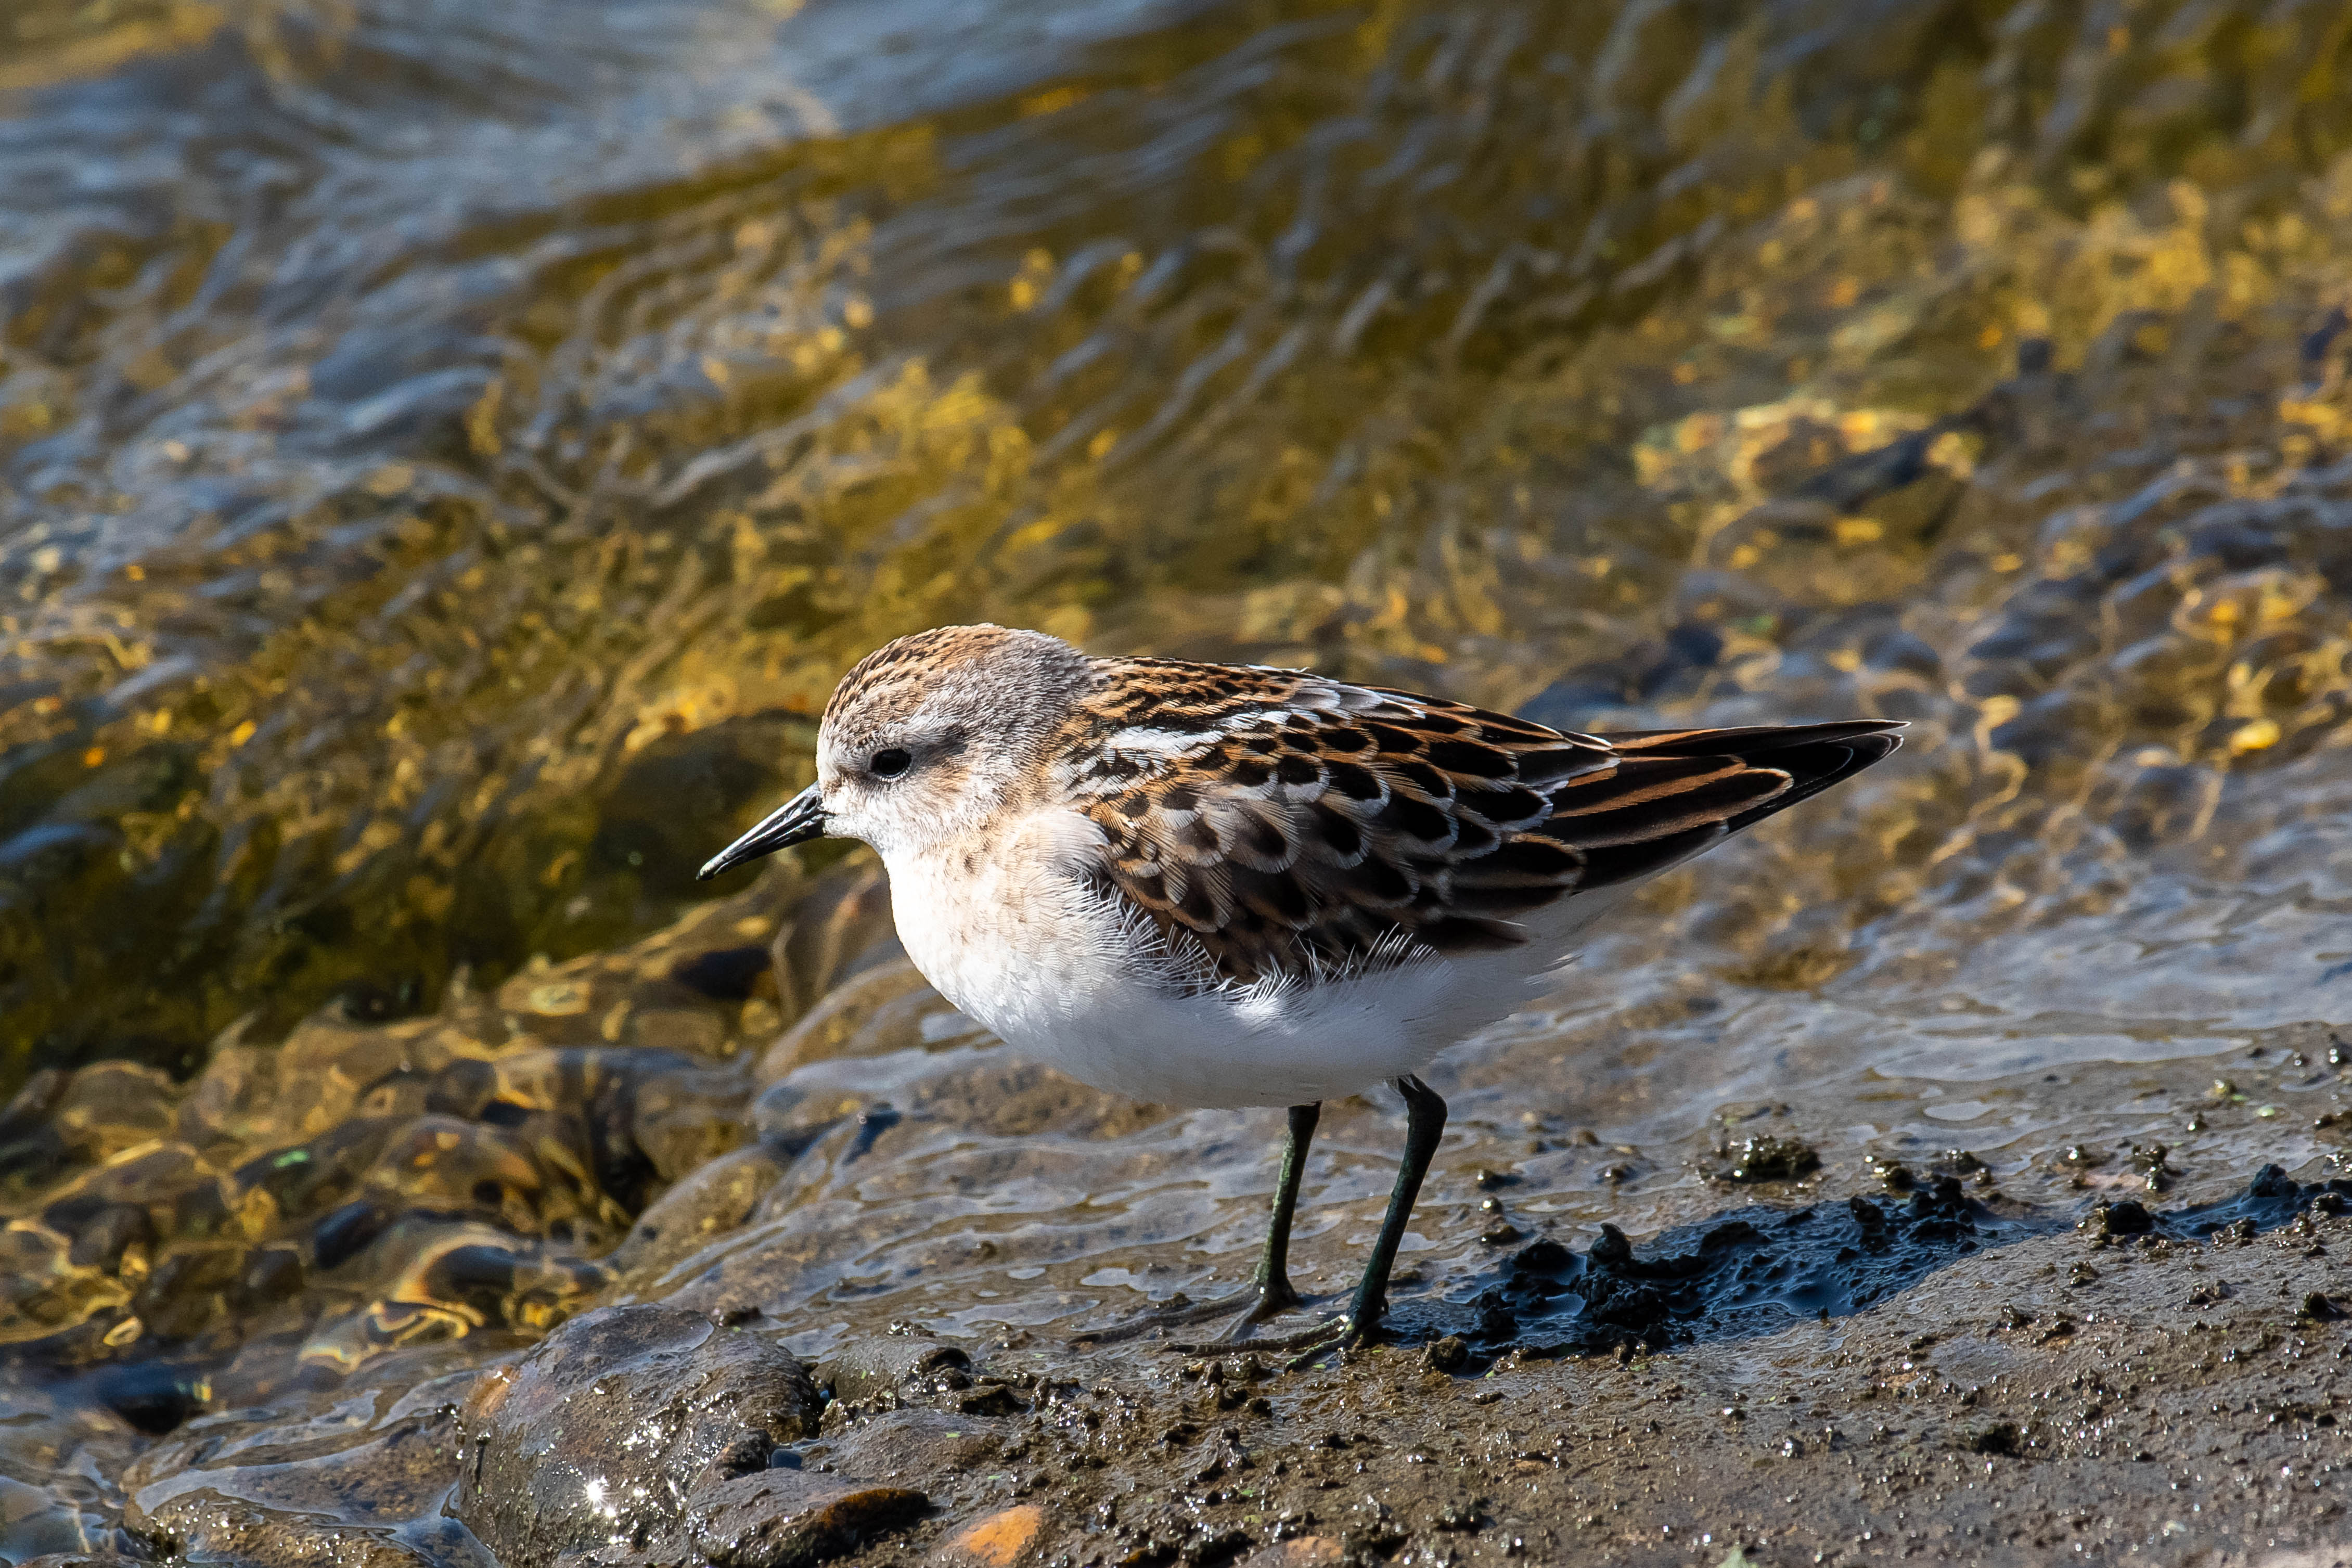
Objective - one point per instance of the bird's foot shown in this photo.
(1321, 1340)
(1350, 1332)
(1259, 1303)
(1177, 1312)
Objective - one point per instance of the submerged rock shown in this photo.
(711, 1201)
(645, 1435)
(315, 1491)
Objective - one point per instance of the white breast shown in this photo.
(1008, 932)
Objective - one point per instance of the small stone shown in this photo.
(861, 1369)
(997, 1539)
(993, 1400)
(1766, 1158)
(1299, 1552)
(917, 1441)
(786, 1519)
(1448, 1354)
(1542, 1258)
(2151, 1161)
(2126, 1218)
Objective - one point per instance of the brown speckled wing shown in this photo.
(1281, 825)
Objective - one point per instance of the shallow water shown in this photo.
(450, 456)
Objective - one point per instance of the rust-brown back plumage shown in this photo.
(1279, 824)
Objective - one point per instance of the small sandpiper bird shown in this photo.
(1225, 885)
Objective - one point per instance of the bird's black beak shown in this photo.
(797, 820)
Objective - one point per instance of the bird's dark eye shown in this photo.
(889, 763)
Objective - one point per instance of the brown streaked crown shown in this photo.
(905, 675)
(981, 702)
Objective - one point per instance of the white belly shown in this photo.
(1026, 949)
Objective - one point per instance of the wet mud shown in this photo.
(2169, 1382)
(2064, 1394)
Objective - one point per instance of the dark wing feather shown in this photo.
(1277, 824)
(1815, 756)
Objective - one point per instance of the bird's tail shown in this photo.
(1815, 756)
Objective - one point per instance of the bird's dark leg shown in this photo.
(1272, 1282)
(1269, 1292)
(1425, 1125)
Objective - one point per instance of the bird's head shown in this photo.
(926, 739)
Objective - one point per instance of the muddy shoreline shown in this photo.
(335, 1316)
(859, 1311)
(2169, 1384)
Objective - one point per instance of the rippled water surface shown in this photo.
(448, 452)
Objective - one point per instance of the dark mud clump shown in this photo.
(1767, 1158)
(1743, 1274)
(1746, 1274)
